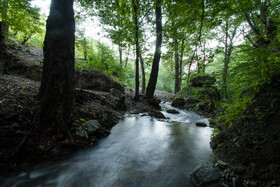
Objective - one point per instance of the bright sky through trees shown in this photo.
(92, 28)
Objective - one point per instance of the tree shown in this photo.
(230, 34)
(135, 4)
(19, 15)
(56, 93)
(143, 74)
(155, 67)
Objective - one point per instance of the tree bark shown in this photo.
(200, 34)
(26, 38)
(120, 53)
(154, 73)
(4, 26)
(177, 67)
(143, 75)
(135, 8)
(56, 93)
(181, 63)
(225, 71)
(85, 48)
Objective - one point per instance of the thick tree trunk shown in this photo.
(57, 85)
(135, 8)
(154, 73)
(143, 75)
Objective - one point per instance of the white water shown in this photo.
(140, 151)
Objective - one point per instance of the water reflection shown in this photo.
(141, 151)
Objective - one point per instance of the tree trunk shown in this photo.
(120, 53)
(85, 48)
(154, 73)
(1, 34)
(181, 63)
(135, 8)
(143, 75)
(5, 27)
(199, 66)
(177, 67)
(26, 38)
(225, 71)
(127, 57)
(57, 89)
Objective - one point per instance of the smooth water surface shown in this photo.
(140, 151)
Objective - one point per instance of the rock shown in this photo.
(200, 124)
(173, 111)
(205, 174)
(238, 170)
(191, 102)
(156, 114)
(202, 81)
(252, 184)
(154, 102)
(97, 81)
(222, 164)
(120, 101)
(237, 182)
(14, 125)
(178, 102)
(116, 93)
(93, 126)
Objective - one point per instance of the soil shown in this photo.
(21, 147)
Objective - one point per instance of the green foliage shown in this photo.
(100, 58)
(165, 79)
(81, 127)
(80, 122)
(21, 17)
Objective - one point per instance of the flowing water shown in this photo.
(140, 151)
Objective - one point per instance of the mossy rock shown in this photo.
(178, 102)
(202, 81)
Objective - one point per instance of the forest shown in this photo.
(61, 89)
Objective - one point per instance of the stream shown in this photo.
(140, 151)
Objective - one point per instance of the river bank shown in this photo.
(140, 151)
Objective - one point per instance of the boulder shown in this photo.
(154, 102)
(200, 124)
(93, 126)
(116, 93)
(202, 81)
(191, 102)
(205, 174)
(201, 98)
(178, 102)
(173, 111)
(96, 81)
(156, 114)
(120, 99)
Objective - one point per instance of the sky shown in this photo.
(92, 27)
